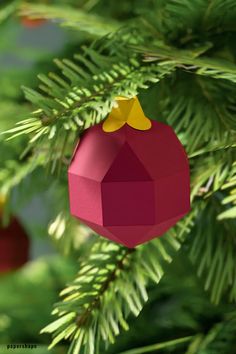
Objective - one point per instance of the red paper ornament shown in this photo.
(14, 247)
(31, 23)
(129, 185)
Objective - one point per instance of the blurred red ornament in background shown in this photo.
(31, 23)
(14, 246)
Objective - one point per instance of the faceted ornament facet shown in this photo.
(129, 185)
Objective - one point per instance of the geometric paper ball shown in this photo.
(14, 247)
(129, 185)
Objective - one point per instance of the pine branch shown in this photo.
(200, 20)
(212, 251)
(13, 173)
(187, 60)
(230, 200)
(211, 173)
(165, 345)
(220, 339)
(6, 10)
(76, 19)
(220, 16)
(200, 109)
(215, 147)
(84, 95)
(67, 233)
(111, 284)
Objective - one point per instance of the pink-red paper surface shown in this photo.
(129, 185)
(14, 247)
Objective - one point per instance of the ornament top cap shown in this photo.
(126, 111)
(2, 203)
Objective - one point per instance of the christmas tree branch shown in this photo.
(85, 95)
(74, 18)
(212, 251)
(150, 348)
(6, 10)
(189, 61)
(220, 338)
(229, 200)
(110, 285)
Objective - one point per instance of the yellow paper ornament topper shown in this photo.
(2, 201)
(127, 111)
(2, 204)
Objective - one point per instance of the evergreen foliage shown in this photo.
(179, 56)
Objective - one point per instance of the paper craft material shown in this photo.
(129, 185)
